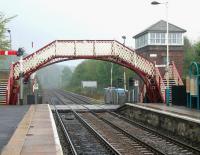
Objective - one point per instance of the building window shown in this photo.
(160, 38)
(157, 38)
(152, 38)
(175, 38)
(141, 41)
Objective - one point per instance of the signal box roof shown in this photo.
(161, 26)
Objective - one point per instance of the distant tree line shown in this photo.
(94, 70)
(191, 53)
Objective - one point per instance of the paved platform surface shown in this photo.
(10, 116)
(179, 111)
(85, 107)
(35, 135)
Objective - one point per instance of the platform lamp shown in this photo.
(167, 44)
(124, 38)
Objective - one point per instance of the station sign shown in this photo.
(187, 84)
(193, 86)
(89, 84)
(136, 83)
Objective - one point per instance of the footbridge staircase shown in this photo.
(106, 50)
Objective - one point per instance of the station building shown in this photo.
(151, 43)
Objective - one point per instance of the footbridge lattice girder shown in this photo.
(84, 49)
(106, 50)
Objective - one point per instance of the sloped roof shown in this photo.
(161, 26)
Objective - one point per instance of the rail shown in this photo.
(72, 148)
(154, 150)
(111, 149)
(107, 144)
(172, 140)
(144, 127)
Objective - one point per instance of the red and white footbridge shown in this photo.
(106, 50)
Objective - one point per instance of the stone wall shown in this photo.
(184, 129)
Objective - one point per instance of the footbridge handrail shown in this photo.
(160, 83)
(107, 50)
(176, 75)
(86, 49)
(9, 85)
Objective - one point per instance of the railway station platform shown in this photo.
(176, 120)
(36, 134)
(86, 107)
(180, 111)
(10, 116)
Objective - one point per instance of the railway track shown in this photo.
(76, 99)
(154, 141)
(124, 144)
(81, 137)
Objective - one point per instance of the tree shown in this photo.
(189, 55)
(4, 41)
(66, 76)
(197, 51)
(94, 70)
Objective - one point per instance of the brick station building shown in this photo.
(151, 43)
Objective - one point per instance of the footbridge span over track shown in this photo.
(106, 50)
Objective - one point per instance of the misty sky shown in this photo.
(42, 21)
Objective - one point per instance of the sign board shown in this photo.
(32, 76)
(193, 86)
(35, 86)
(136, 83)
(187, 84)
(160, 65)
(89, 84)
(153, 55)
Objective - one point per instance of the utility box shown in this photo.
(115, 96)
(39, 98)
(30, 99)
(179, 96)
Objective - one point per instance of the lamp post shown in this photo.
(21, 81)
(9, 31)
(124, 38)
(167, 44)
